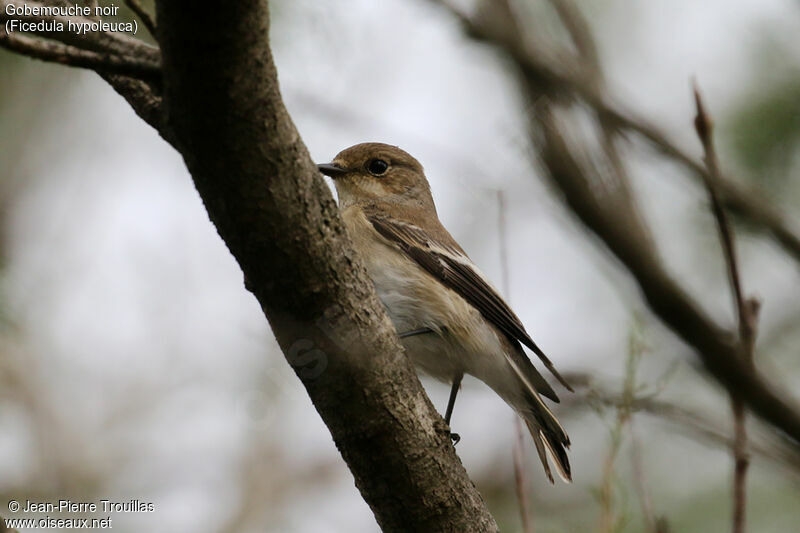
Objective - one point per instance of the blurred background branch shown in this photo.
(132, 364)
(746, 311)
(616, 219)
(570, 79)
(268, 202)
(129, 65)
(147, 19)
(695, 425)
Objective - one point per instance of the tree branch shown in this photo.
(745, 310)
(665, 297)
(145, 99)
(220, 106)
(63, 54)
(517, 450)
(700, 427)
(146, 18)
(278, 218)
(568, 80)
(130, 66)
(103, 42)
(622, 230)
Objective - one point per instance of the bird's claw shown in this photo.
(455, 437)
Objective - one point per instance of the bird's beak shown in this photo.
(330, 169)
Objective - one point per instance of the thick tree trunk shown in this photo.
(225, 115)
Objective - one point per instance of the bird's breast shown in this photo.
(462, 340)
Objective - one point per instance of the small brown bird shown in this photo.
(451, 320)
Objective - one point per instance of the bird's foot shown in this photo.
(455, 437)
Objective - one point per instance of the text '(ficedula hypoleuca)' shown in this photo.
(450, 318)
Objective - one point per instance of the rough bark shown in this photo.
(270, 205)
(215, 98)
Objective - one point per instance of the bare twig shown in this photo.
(704, 127)
(741, 460)
(642, 487)
(581, 34)
(562, 80)
(746, 311)
(519, 476)
(620, 230)
(264, 194)
(664, 295)
(699, 427)
(518, 447)
(591, 70)
(63, 54)
(145, 99)
(100, 41)
(127, 64)
(609, 521)
(146, 18)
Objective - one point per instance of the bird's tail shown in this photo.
(548, 436)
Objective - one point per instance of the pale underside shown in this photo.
(462, 342)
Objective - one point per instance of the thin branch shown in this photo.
(741, 460)
(145, 99)
(146, 18)
(580, 32)
(642, 487)
(567, 79)
(696, 425)
(63, 54)
(620, 230)
(664, 295)
(591, 70)
(100, 41)
(519, 476)
(267, 199)
(746, 311)
(705, 127)
(518, 447)
(127, 64)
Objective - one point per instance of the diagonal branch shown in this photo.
(145, 99)
(704, 127)
(130, 66)
(64, 54)
(664, 295)
(565, 80)
(221, 108)
(278, 218)
(746, 311)
(622, 230)
(146, 18)
(100, 41)
(703, 428)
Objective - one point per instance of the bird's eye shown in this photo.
(377, 167)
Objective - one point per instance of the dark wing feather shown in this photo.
(449, 264)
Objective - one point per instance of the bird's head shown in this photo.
(371, 172)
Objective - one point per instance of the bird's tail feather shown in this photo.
(548, 436)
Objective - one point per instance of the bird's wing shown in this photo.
(445, 260)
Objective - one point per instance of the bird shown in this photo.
(449, 317)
